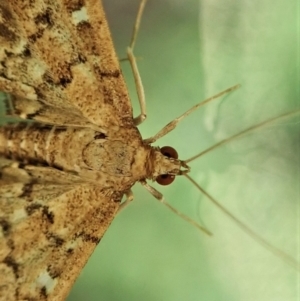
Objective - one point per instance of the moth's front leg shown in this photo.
(136, 74)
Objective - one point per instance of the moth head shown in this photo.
(167, 165)
(164, 164)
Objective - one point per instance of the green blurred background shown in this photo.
(190, 50)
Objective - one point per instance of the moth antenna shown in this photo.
(136, 74)
(172, 125)
(287, 258)
(249, 130)
(161, 199)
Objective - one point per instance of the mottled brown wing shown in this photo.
(48, 231)
(60, 58)
(58, 64)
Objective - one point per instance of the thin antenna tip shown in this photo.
(235, 87)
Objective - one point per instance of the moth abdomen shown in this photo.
(21, 142)
(43, 144)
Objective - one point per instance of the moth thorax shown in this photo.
(113, 157)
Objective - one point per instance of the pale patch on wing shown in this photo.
(46, 281)
(19, 214)
(79, 16)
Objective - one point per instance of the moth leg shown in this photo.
(160, 197)
(129, 198)
(132, 60)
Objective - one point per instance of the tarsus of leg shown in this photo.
(287, 258)
(136, 74)
(129, 199)
(172, 125)
(245, 132)
(161, 199)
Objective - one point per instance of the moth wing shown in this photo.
(16, 106)
(48, 232)
(61, 56)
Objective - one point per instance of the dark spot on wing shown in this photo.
(44, 292)
(81, 58)
(26, 52)
(48, 78)
(64, 74)
(55, 240)
(88, 238)
(84, 26)
(6, 14)
(65, 80)
(7, 33)
(100, 136)
(53, 272)
(21, 166)
(32, 115)
(34, 37)
(44, 18)
(48, 214)
(39, 93)
(11, 244)
(74, 5)
(91, 238)
(30, 209)
(86, 32)
(10, 262)
(27, 190)
(108, 98)
(5, 225)
(2, 74)
(8, 53)
(70, 251)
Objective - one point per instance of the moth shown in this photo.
(62, 179)
(78, 95)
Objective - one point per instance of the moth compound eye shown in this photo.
(169, 151)
(165, 179)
